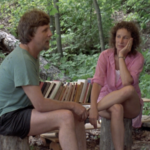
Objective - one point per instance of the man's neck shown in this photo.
(30, 49)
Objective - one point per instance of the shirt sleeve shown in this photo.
(25, 73)
(136, 67)
(100, 73)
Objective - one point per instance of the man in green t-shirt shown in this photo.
(23, 109)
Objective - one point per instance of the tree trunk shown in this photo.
(52, 30)
(13, 143)
(57, 25)
(99, 24)
(50, 3)
(106, 139)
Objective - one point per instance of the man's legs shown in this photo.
(63, 120)
(80, 134)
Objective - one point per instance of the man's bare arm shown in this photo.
(44, 105)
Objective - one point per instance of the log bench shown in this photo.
(14, 143)
(106, 138)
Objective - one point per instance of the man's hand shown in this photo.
(80, 111)
(93, 117)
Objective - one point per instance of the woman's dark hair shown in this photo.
(131, 27)
(29, 22)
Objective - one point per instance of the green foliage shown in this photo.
(2, 56)
(145, 82)
(74, 66)
(1, 26)
(139, 11)
(15, 9)
(145, 85)
(79, 21)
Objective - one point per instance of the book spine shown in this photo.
(55, 89)
(58, 93)
(53, 86)
(83, 91)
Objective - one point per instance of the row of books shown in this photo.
(70, 91)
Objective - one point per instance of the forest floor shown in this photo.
(140, 137)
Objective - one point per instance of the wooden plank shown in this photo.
(146, 99)
(88, 126)
(53, 139)
(53, 135)
(145, 118)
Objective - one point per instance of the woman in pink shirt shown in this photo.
(115, 92)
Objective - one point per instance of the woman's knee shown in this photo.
(105, 114)
(116, 110)
(128, 91)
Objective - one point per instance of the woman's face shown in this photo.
(122, 38)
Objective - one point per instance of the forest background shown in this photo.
(81, 32)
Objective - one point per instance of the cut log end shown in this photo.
(14, 143)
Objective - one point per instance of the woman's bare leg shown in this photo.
(105, 114)
(119, 104)
(115, 114)
(126, 96)
(117, 126)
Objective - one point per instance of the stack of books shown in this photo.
(79, 91)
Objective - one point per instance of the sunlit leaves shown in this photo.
(140, 11)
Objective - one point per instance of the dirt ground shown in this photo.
(141, 140)
(140, 137)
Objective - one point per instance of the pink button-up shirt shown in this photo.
(105, 75)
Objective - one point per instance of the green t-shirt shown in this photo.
(18, 69)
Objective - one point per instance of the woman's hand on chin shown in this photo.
(126, 49)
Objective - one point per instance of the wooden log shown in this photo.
(105, 135)
(54, 146)
(14, 143)
(146, 100)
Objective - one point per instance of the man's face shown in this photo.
(42, 37)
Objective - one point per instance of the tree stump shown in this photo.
(13, 143)
(105, 135)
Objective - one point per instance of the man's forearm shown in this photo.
(51, 105)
